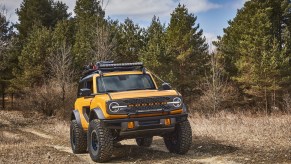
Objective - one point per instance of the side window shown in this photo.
(81, 85)
(89, 85)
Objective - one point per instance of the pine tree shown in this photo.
(59, 12)
(63, 33)
(154, 51)
(6, 66)
(130, 40)
(187, 51)
(33, 58)
(258, 62)
(89, 16)
(39, 13)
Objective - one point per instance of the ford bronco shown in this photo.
(122, 101)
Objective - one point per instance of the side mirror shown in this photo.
(166, 86)
(85, 92)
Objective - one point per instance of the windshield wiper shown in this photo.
(112, 91)
(138, 89)
(133, 89)
(149, 88)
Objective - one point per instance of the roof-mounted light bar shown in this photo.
(106, 65)
(109, 66)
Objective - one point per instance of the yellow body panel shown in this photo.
(99, 100)
(79, 104)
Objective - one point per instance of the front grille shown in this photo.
(145, 105)
(147, 100)
(152, 104)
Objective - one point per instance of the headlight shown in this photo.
(177, 102)
(115, 107)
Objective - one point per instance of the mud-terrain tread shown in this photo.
(183, 134)
(81, 138)
(105, 142)
(144, 141)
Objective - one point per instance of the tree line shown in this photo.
(49, 47)
(255, 52)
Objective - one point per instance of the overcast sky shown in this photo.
(212, 14)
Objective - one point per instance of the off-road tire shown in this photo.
(100, 142)
(144, 141)
(179, 141)
(78, 138)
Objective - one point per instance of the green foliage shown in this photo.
(186, 57)
(254, 51)
(256, 48)
(130, 41)
(7, 60)
(33, 58)
(59, 12)
(41, 46)
(154, 51)
(88, 9)
(39, 13)
(89, 15)
(60, 57)
(63, 33)
(5, 29)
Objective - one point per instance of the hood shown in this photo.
(143, 93)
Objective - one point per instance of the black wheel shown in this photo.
(78, 138)
(144, 141)
(180, 140)
(100, 142)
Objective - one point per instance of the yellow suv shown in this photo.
(122, 101)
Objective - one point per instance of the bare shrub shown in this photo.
(61, 67)
(103, 44)
(48, 99)
(217, 92)
(226, 95)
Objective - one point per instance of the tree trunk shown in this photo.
(63, 96)
(213, 82)
(266, 101)
(12, 102)
(274, 93)
(3, 96)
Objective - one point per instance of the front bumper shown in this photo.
(144, 126)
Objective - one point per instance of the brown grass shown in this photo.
(268, 132)
(221, 138)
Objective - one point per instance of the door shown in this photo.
(82, 103)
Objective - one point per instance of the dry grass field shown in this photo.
(29, 137)
(255, 139)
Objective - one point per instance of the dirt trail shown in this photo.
(31, 138)
(66, 149)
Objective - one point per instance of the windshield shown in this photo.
(120, 83)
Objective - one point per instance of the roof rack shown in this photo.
(110, 66)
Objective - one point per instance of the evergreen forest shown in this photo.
(43, 55)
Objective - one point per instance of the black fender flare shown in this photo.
(96, 113)
(76, 116)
